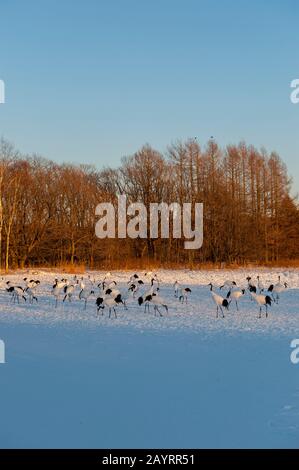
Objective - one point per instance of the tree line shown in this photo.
(47, 210)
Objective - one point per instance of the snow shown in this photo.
(185, 380)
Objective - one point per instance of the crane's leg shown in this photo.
(159, 312)
(98, 310)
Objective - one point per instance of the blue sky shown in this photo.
(90, 81)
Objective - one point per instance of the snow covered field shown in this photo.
(187, 379)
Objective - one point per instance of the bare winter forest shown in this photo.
(47, 210)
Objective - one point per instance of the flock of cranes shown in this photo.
(263, 296)
(146, 291)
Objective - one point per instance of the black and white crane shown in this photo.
(16, 292)
(134, 288)
(115, 293)
(154, 300)
(31, 291)
(32, 283)
(219, 301)
(84, 294)
(176, 287)
(277, 289)
(228, 284)
(133, 278)
(184, 292)
(108, 302)
(57, 289)
(260, 284)
(263, 301)
(235, 294)
(68, 290)
(251, 287)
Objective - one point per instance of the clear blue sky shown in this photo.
(90, 81)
